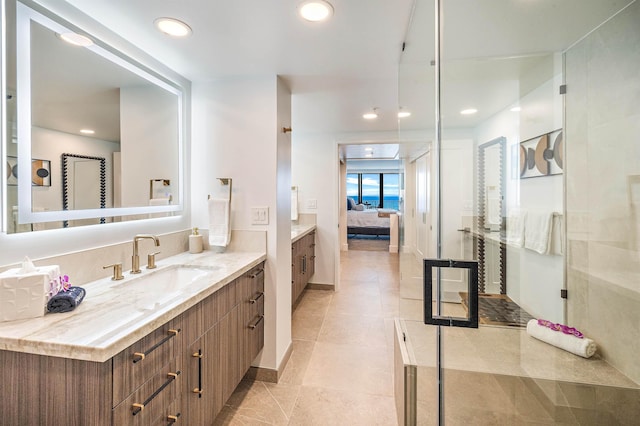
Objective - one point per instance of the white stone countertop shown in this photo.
(299, 231)
(116, 314)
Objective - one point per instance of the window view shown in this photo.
(370, 190)
(353, 187)
(374, 190)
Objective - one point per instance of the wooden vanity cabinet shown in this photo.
(219, 354)
(48, 391)
(183, 372)
(303, 260)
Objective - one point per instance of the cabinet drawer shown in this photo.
(256, 278)
(140, 361)
(154, 401)
(252, 307)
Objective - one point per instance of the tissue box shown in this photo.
(25, 295)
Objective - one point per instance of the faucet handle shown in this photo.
(151, 260)
(117, 271)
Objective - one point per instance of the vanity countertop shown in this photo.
(299, 231)
(116, 314)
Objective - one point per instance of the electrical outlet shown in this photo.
(312, 204)
(259, 215)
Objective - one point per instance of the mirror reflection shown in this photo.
(92, 102)
(491, 232)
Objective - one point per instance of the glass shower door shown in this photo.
(513, 131)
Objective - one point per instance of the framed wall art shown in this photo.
(541, 156)
(40, 172)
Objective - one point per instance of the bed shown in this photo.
(368, 222)
(362, 221)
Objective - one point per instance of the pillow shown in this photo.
(359, 207)
(350, 203)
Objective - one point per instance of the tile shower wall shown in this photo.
(603, 188)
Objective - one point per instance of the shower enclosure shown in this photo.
(532, 179)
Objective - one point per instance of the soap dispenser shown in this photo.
(195, 242)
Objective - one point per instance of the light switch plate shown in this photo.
(312, 204)
(259, 215)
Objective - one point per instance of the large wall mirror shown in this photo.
(68, 92)
(491, 237)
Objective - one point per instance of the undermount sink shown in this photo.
(153, 289)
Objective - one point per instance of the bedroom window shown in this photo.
(375, 190)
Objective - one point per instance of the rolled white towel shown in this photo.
(582, 346)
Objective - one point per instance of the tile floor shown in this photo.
(341, 367)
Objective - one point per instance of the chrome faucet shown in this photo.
(135, 260)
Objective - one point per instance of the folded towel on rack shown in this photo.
(219, 227)
(537, 231)
(160, 201)
(562, 337)
(556, 243)
(66, 301)
(515, 227)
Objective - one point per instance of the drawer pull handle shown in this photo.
(256, 298)
(255, 324)
(138, 407)
(139, 356)
(198, 355)
(255, 274)
(172, 419)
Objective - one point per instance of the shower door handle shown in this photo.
(433, 318)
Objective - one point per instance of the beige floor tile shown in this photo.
(306, 326)
(298, 362)
(352, 329)
(354, 303)
(351, 368)
(253, 401)
(324, 407)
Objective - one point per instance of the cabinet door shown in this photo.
(194, 392)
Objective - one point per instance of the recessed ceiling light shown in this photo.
(369, 155)
(88, 131)
(315, 10)
(172, 27)
(403, 114)
(468, 111)
(369, 149)
(371, 115)
(76, 39)
(515, 109)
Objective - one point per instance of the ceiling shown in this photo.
(340, 69)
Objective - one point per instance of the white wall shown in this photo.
(237, 133)
(533, 280)
(148, 131)
(314, 169)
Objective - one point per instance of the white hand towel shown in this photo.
(219, 229)
(159, 201)
(515, 227)
(584, 347)
(537, 231)
(294, 204)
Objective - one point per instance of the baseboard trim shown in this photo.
(269, 374)
(325, 287)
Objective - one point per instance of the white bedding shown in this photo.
(368, 218)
